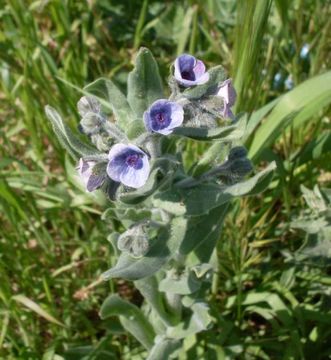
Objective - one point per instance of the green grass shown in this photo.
(52, 242)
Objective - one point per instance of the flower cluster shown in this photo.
(128, 163)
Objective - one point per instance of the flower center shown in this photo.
(188, 75)
(132, 160)
(160, 118)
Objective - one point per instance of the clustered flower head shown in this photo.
(128, 163)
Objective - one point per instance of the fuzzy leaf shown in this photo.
(161, 250)
(148, 287)
(205, 197)
(183, 284)
(144, 83)
(69, 141)
(131, 317)
(226, 133)
(198, 321)
(164, 349)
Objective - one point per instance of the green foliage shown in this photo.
(52, 241)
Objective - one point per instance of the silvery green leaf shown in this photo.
(217, 75)
(112, 98)
(198, 320)
(309, 225)
(148, 287)
(205, 197)
(184, 283)
(225, 133)
(314, 199)
(135, 129)
(144, 82)
(127, 213)
(75, 147)
(317, 248)
(131, 317)
(162, 249)
(164, 349)
(201, 236)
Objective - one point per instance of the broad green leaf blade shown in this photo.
(104, 89)
(217, 75)
(144, 83)
(184, 284)
(226, 133)
(204, 236)
(205, 197)
(131, 317)
(164, 349)
(148, 287)
(162, 249)
(198, 321)
(296, 107)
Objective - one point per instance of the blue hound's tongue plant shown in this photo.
(170, 218)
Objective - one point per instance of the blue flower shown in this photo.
(190, 71)
(163, 117)
(128, 165)
(289, 83)
(304, 51)
(229, 95)
(90, 174)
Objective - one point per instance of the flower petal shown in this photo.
(199, 69)
(136, 178)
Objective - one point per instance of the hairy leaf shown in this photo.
(144, 83)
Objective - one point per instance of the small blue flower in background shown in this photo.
(90, 177)
(190, 71)
(289, 83)
(163, 117)
(304, 51)
(277, 81)
(229, 95)
(128, 165)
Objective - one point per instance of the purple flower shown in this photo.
(91, 177)
(128, 165)
(189, 71)
(228, 93)
(163, 117)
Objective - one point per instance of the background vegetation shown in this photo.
(269, 301)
